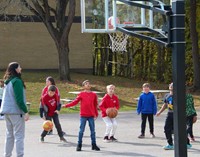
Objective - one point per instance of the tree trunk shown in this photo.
(64, 66)
(160, 61)
(58, 29)
(141, 74)
(195, 48)
(146, 61)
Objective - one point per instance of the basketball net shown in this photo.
(118, 42)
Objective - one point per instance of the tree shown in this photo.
(194, 40)
(59, 28)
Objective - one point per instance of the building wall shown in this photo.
(31, 45)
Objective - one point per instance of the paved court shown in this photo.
(127, 146)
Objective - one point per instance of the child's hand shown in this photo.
(158, 114)
(63, 106)
(56, 111)
(44, 117)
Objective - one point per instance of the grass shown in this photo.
(126, 89)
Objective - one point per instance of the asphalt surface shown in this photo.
(127, 132)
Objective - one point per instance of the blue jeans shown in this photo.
(83, 121)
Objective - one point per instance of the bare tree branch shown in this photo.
(28, 6)
(71, 15)
(39, 9)
(58, 28)
(5, 4)
(60, 14)
(46, 9)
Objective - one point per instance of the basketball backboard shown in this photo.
(147, 19)
(103, 16)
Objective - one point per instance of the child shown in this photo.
(168, 128)
(1, 95)
(88, 112)
(49, 81)
(190, 114)
(51, 109)
(147, 106)
(110, 100)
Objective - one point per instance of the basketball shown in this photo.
(47, 125)
(111, 22)
(111, 112)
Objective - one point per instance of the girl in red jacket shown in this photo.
(110, 100)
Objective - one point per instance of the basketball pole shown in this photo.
(178, 70)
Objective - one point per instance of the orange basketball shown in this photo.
(47, 125)
(111, 112)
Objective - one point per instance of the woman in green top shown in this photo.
(14, 109)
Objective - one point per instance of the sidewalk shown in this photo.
(128, 144)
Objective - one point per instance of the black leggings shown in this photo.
(169, 127)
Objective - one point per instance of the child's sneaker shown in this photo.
(152, 135)
(41, 139)
(62, 139)
(192, 139)
(189, 146)
(95, 147)
(78, 148)
(113, 139)
(168, 147)
(105, 139)
(141, 136)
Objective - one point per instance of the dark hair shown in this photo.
(49, 78)
(11, 71)
(52, 88)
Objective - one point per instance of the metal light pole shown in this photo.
(178, 63)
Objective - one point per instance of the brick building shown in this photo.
(31, 45)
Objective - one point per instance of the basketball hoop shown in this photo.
(118, 42)
(118, 39)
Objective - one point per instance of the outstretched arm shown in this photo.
(73, 103)
(164, 106)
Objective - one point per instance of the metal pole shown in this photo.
(178, 63)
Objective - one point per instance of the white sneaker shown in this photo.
(152, 135)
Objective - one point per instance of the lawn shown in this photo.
(126, 89)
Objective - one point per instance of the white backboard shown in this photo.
(102, 16)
